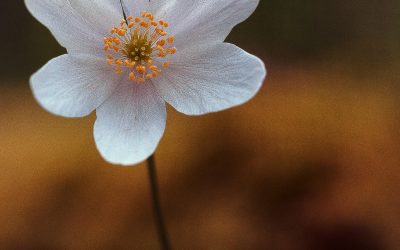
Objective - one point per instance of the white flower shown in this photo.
(167, 51)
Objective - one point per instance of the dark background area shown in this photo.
(310, 163)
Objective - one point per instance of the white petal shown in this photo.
(220, 77)
(136, 7)
(195, 22)
(100, 14)
(73, 87)
(78, 25)
(130, 124)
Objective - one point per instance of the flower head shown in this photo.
(126, 69)
(138, 45)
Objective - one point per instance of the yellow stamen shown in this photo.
(166, 64)
(141, 69)
(161, 42)
(132, 76)
(117, 41)
(136, 44)
(171, 39)
(121, 32)
(171, 50)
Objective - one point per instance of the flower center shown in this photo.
(139, 46)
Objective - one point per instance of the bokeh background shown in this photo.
(311, 163)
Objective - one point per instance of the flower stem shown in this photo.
(162, 232)
(123, 11)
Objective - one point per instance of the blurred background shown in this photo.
(310, 163)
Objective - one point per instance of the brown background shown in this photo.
(310, 163)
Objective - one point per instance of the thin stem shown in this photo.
(162, 232)
(123, 11)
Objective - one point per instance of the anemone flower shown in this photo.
(127, 67)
